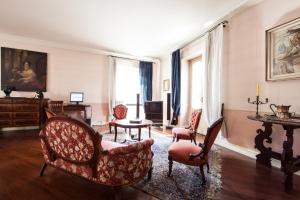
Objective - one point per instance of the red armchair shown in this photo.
(190, 154)
(73, 146)
(120, 112)
(188, 133)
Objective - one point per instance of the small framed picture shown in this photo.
(283, 51)
(166, 85)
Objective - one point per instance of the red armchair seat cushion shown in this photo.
(182, 133)
(180, 152)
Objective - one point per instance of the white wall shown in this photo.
(70, 69)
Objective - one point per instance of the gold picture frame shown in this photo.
(166, 85)
(283, 51)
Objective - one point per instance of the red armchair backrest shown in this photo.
(120, 111)
(196, 115)
(212, 133)
(71, 140)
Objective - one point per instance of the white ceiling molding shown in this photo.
(51, 44)
(131, 27)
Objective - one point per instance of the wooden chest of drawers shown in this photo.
(21, 112)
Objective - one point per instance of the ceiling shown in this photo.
(135, 27)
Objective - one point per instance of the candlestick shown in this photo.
(258, 102)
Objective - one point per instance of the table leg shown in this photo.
(139, 136)
(149, 131)
(116, 132)
(287, 164)
(264, 157)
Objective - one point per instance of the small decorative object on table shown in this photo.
(8, 90)
(282, 111)
(258, 101)
(39, 94)
(135, 121)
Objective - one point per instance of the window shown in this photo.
(195, 83)
(128, 85)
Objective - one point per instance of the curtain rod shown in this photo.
(130, 58)
(224, 23)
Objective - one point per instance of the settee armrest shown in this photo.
(125, 165)
(134, 147)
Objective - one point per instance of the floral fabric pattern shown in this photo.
(124, 165)
(81, 170)
(70, 141)
(117, 166)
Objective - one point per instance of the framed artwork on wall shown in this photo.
(283, 51)
(166, 85)
(23, 70)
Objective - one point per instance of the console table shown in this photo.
(21, 112)
(81, 108)
(289, 163)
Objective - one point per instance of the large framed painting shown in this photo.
(283, 51)
(23, 70)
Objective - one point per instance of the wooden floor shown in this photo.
(21, 159)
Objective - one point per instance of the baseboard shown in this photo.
(19, 128)
(246, 152)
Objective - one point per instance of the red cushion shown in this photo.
(182, 133)
(180, 152)
(108, 145)
(195, 119)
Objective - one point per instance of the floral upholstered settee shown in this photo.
(75, 147)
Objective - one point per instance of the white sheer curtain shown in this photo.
(111, 85)
(212, 75)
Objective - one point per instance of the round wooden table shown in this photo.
(125, 123)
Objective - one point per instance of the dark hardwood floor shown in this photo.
(21, 160)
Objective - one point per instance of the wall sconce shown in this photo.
(166, 85)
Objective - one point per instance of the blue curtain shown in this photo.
(175, 86)
(146, 80)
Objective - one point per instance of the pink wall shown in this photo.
(245, 66)
(69, 70)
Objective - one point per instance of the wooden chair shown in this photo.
(190, 154)
(120, 112)
(189, 132)
(56, 107)
(49, 114)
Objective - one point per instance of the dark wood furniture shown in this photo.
(193, 155)
(56, 107)
(154, 111)
(81, 109)
(124, 123)
(21, 112)
(289, 163)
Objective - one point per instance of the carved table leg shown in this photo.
(264, 157)
(116, 132)
(287, 164)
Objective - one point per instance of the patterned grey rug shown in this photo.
(185, 181)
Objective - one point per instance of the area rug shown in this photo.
(185, 181)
